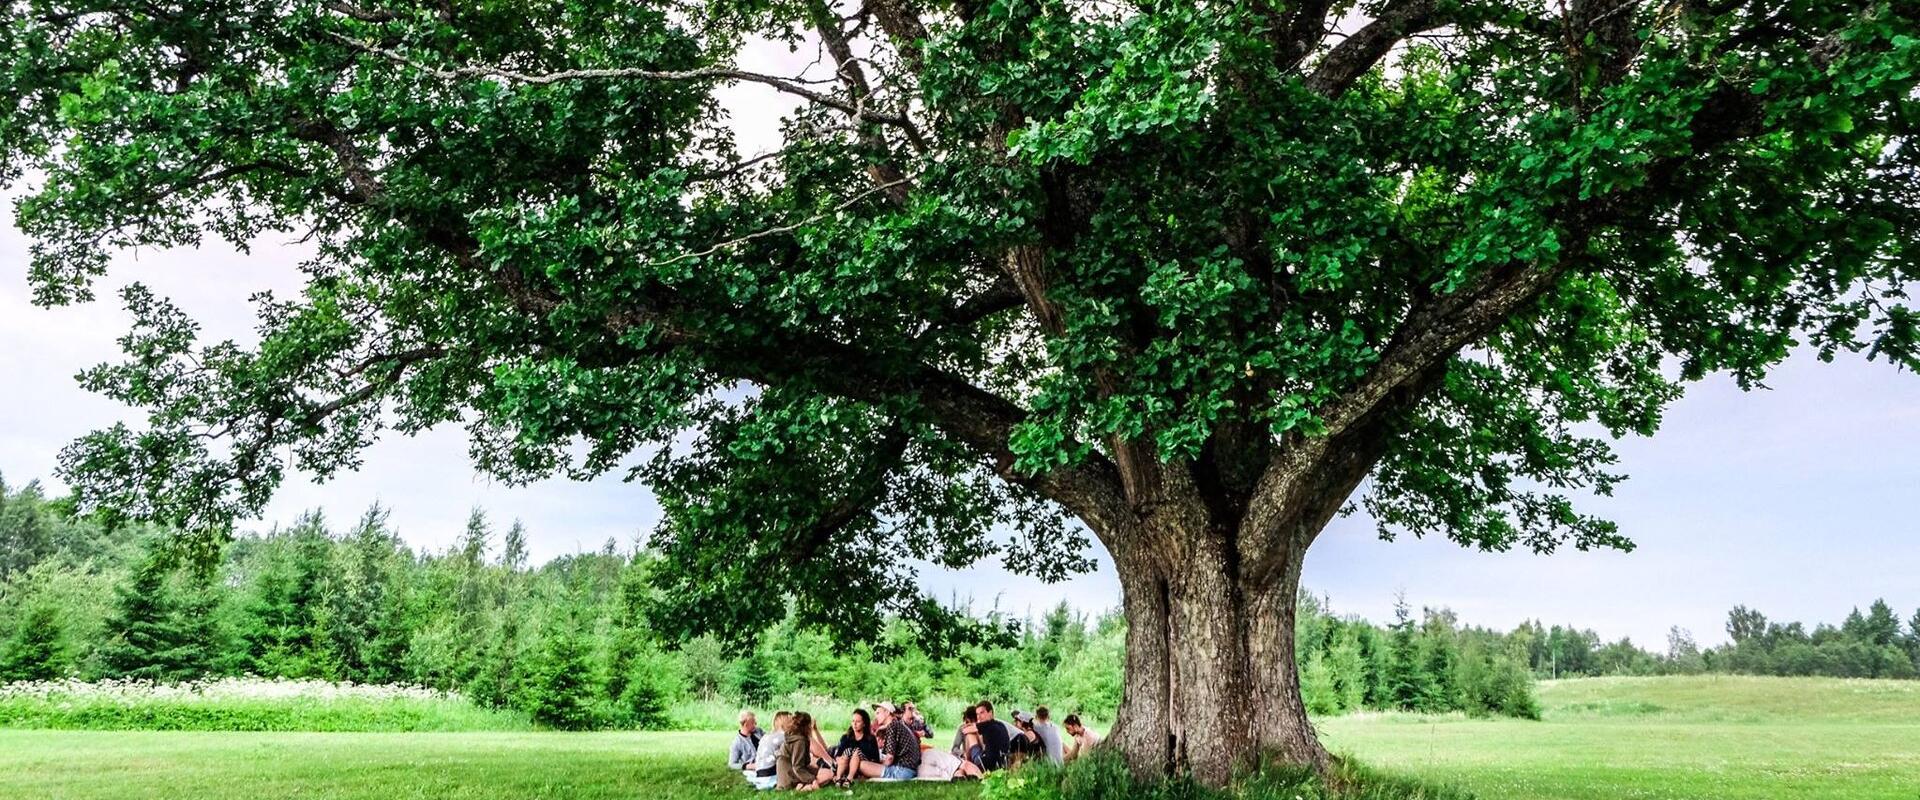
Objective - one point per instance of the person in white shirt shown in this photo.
(763, 760)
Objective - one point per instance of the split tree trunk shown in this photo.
(1211, 684)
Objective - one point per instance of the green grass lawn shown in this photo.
(1716, 737)
(1695, 738)
(62, 765)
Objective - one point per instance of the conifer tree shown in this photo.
(1881, 627)
(37, 651)
(144, 638)
(287, 629)
(1349, 667)
(650, 689)
(1317, 686)
(755, 680)
(1913, 638)
(1438, 690)
(1377, 650)
(1406, 676)
(562, 690)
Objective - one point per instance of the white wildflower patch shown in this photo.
(134, 692)
(244, 704)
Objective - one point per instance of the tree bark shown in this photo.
(1211, 684)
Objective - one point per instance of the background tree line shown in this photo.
(569, 641)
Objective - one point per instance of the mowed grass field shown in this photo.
(1723, 737)
(1696, 738)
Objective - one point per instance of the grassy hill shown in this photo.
(1732, 698)
(1698, 738)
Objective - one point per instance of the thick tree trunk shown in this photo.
(1211, 684)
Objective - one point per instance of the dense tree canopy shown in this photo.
(1188, 272)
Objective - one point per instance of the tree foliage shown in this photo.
(1188, 273)
(1223, 236)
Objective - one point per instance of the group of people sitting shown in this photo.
(895, 743)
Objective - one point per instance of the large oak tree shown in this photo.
(1188, 274)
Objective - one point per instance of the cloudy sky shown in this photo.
(1799, 500)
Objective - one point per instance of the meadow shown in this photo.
(1700, 738)
(1722, 737)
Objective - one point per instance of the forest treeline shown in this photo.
(569, 642)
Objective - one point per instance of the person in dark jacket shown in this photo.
(858, 754)
(996, 739)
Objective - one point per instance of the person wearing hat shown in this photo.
(1025, 744)
(899, 747)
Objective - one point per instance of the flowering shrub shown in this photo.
(243, 704)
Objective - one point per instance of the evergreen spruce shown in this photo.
(1349, 667)
(1439, 686)
(754, 682)
(37, 650)
(1317, 686)
(143, 634)
(1406, 678)
(562, 691)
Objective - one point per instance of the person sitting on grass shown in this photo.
(1049, 734)
(899, 747)
(916, 723)
(795, 766)
(966, 738)
(1083, 737)
(996, 739)
(762, 769)
(817, 747)
(1025, 744)
(858, 755)
(746, 744)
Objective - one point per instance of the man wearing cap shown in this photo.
(1025, 744)
(899, 746)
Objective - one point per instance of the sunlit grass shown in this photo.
(1723, 737)
(1708, 738)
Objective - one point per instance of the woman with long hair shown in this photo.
(859, 752)
(795, 768)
